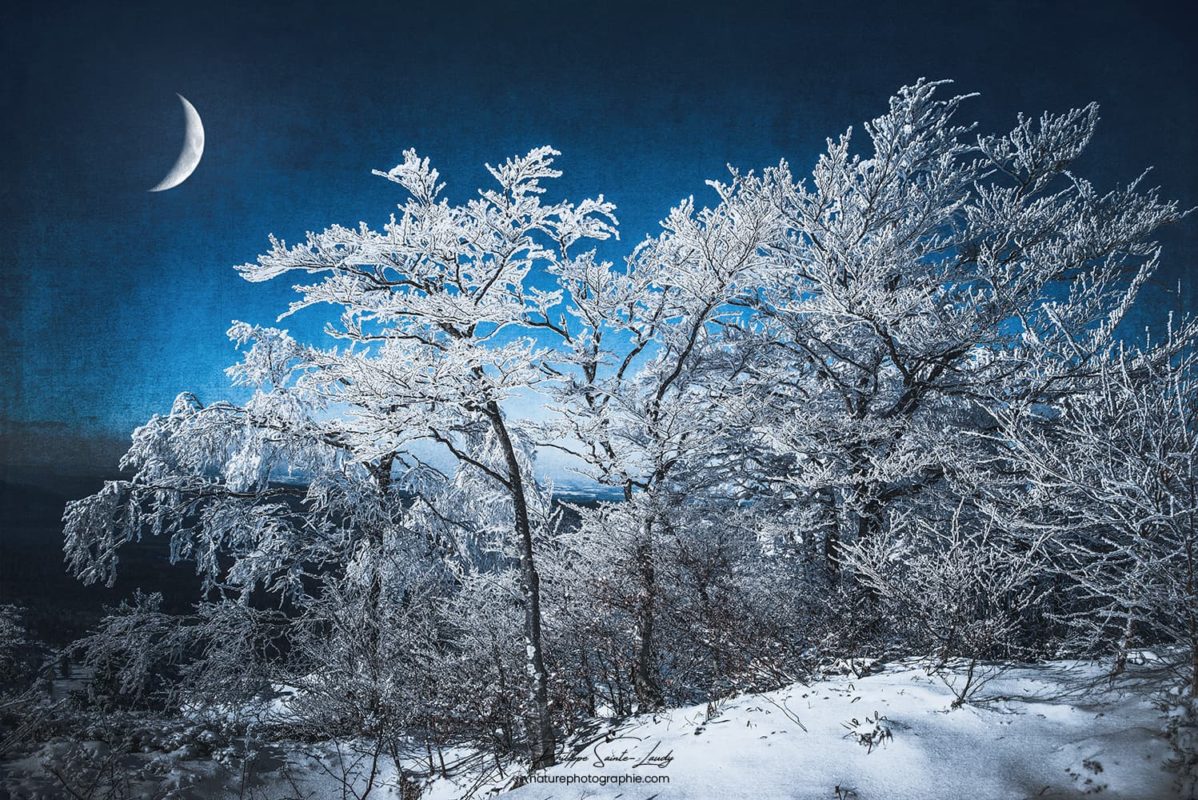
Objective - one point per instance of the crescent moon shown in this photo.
(189, 156)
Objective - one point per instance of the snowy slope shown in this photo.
(1053, 736)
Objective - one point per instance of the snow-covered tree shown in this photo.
(314, 472)
(1108, 481)
(646, 372)
(915, 285)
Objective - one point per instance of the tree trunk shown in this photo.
(644, 679)
(1124, 645)
(542, 740)
(374, 598)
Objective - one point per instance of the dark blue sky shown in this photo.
(114, 299)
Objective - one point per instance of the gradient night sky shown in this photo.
(114, 299)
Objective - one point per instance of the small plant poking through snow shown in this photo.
(869, 732)
(1087, 776)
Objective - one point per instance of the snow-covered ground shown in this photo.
(1047, 733)
(1055, 730)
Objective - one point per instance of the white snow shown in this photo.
(1048, 732)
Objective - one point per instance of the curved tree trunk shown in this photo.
(542, 739)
